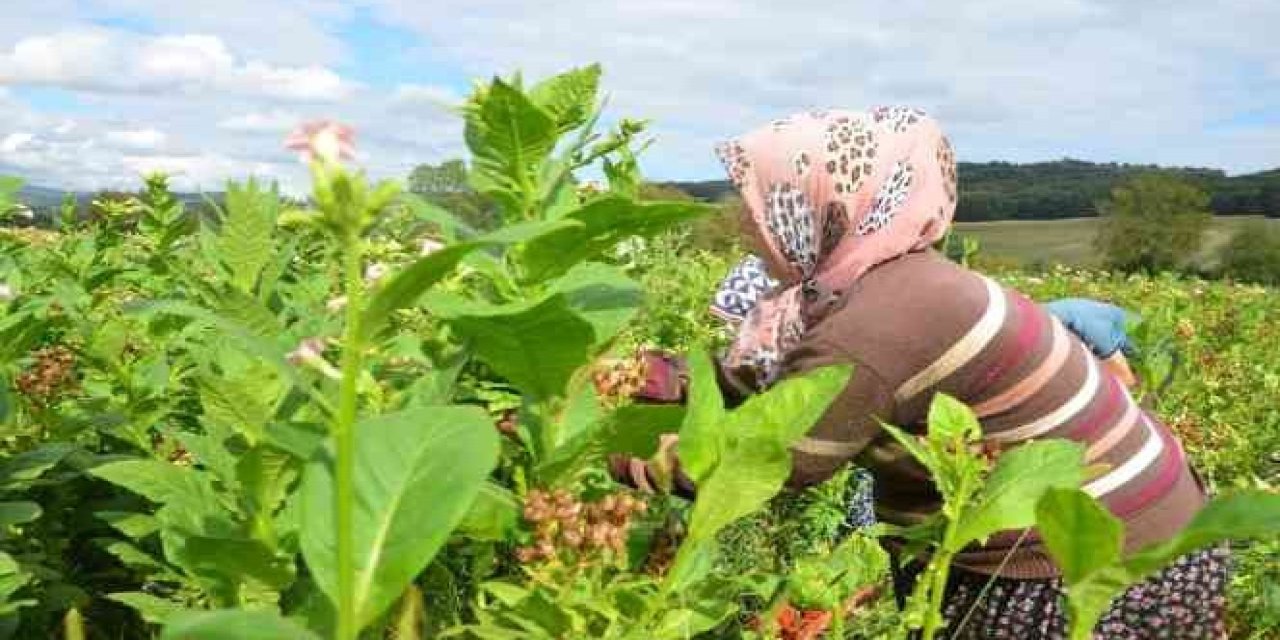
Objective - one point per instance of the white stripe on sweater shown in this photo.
(964, 349)
(1122, 474)
(1058, 416)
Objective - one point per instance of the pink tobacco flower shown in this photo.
(323, 140)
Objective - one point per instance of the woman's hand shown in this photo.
(659, 474)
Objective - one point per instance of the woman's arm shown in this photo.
(850, 423)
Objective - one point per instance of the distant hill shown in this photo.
(42, 197)
(46, 202)
(1068, 189)
(38, 197)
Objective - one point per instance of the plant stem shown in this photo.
(345, 439)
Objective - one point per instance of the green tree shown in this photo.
(1253, 255)
(445, 184)
(1270, 200)
(1151, 223)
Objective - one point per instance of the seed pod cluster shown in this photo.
(566, 529)
(620, 379)
(51, 375)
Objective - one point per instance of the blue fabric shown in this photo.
(1100, 325)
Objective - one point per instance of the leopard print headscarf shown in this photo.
(830, 195)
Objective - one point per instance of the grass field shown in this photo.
(1070, 241)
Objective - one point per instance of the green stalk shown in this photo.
(345, 438)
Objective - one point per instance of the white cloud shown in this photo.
(275, 121)
(139, 139)
(1122, 80)
(1008, 79)
(15, 141)
(420, 95)
(292, 83)
(98, 60)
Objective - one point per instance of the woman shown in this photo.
(1100, 325)
(843, 208)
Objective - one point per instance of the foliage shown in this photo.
(979, 499)
(1152, 223)
(251, 417)
(1087, 542)
(1069, 189)
(1253, 255)
(445, 185)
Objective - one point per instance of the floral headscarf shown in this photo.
(830, 195)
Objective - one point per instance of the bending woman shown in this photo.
(843, 208)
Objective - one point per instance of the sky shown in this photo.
(95, 92)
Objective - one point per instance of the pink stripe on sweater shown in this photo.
(1029, 332)
(1102, 414)
(1035, 381)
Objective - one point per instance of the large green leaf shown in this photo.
(232, 405)
(605, 223)
(159, 482)
(509, 138)
(1008, 497)
(25, 468)
(233, 624)
(417, 475)
(134, 525)
(537, 346)
(265, 475)
(12, 513)
(755, 460)
(493, 515)
(603, 295)
(1085, 540)
(12, 578)
(153, 610)
(408, 285)
(234, 562)
(702, 435)
(243, 338)
(248, 312)
(1082, 536)
(246, 240)
(190, 503)
(569, 97)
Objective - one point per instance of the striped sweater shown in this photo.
(919, 325)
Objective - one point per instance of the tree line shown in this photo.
(1070, 189)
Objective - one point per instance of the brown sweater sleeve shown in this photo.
(850, 423)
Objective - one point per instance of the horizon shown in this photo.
(719, 179)
(94, 92)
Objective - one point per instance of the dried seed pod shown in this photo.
(573, 538)
(617, 539)
(536, 497)
(545, 549)
(561, 498)
(569, 512)
(610, 503)
(526, 555)
(598, 535)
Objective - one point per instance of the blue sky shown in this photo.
(92, 92)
